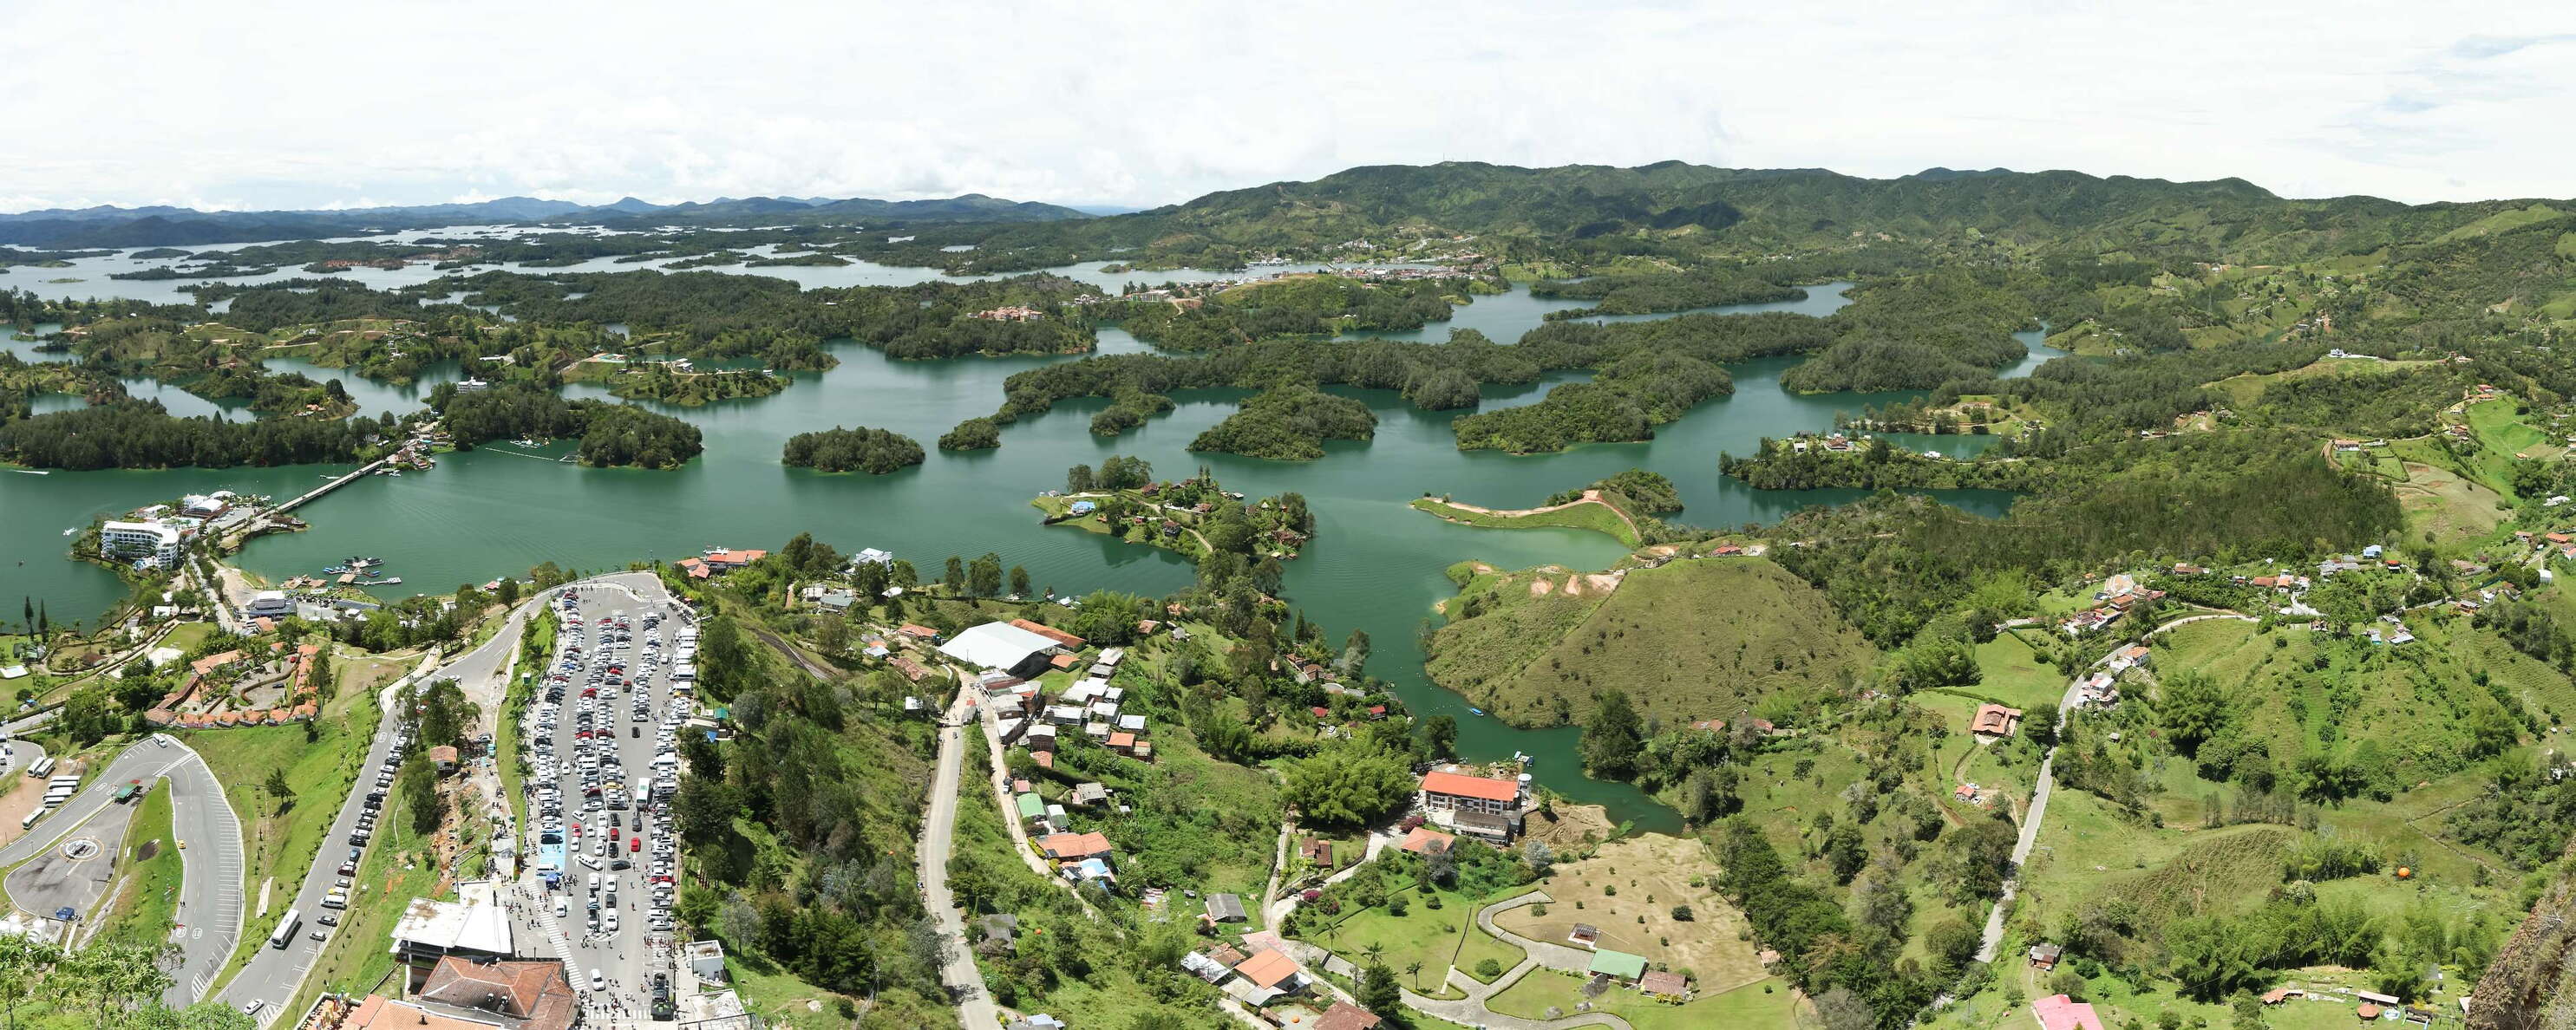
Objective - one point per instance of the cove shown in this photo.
(1376, 565)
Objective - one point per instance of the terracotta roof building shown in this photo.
(539, 994)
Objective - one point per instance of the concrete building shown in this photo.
(136, 541)
(1002, 647)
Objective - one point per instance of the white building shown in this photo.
(269, 604)
(133, 541)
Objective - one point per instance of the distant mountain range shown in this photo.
(108, 226)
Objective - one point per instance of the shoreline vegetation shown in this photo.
(873, 451)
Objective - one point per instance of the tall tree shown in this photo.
(1613, 736)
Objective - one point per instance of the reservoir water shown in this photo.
(1375, 565)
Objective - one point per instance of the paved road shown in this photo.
(211, 906)
(975, 1007)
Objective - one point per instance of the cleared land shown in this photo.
(1595, 515)
(1629, 890)
(1693, 639)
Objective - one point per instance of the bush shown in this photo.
(1487, 969)
(1682, 913)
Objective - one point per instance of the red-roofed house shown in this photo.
(1074, 847)
(1995, 720)
(1424, 840)
(2059, 1012)
(1271, 970)
(1445, 791)
(1346, 1016)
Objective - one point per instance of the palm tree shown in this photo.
(1413, 970)
(1373, 952)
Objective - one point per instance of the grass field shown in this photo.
(1430, 936)
(2015, 674)
(283, 835)
(145, 902)
(2243, 390)
(1768, 1003)
(1694, 639)
(1595, 516)
(1628, 890)
(1480, 946)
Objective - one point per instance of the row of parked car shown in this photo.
(585, 794)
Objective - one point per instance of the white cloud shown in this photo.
(1143, 103)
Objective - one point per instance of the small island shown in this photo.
(1196, 517)
(873, 451)
(1288, 424)
(674, 382)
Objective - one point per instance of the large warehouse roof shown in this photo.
(995, 645)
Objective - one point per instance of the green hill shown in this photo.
(1692, 639)
(1752, 208)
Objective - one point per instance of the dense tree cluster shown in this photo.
(611, 434)
(1637, 293)
(142, 434)
(1316, 305)
(1289, 424)
(874, 451)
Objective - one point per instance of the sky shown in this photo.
(260, 105)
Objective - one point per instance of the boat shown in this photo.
(75, 530)
(1475, 711)
(33, 472)
(385, 582)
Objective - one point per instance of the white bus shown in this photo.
(30, 821)
(286, 928)
(43, 765)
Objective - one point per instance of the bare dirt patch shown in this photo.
(1541, 587)
(1628, 890)
(1571, 829)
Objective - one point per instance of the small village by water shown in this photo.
(1377, 565)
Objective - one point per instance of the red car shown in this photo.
(634, 844)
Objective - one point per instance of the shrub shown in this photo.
(1487, 969)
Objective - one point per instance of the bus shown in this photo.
(43, 765)
(30, 821)
(286, 928)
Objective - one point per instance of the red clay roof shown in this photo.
(1463, 785)
(1074, 845)
(1423, 839)
(1049, 632)
(1346, 1016)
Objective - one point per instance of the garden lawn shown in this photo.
(2013, 676)
(1480, 946)
(283, 835)
(146, 901)
(1767, 1003)
(1430, 936)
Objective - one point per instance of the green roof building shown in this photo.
(1619, 965)
(1031, 806)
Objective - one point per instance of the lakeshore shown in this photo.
(1374, 566)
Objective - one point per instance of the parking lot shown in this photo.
(603, 731)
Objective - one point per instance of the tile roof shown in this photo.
(1462, 785)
